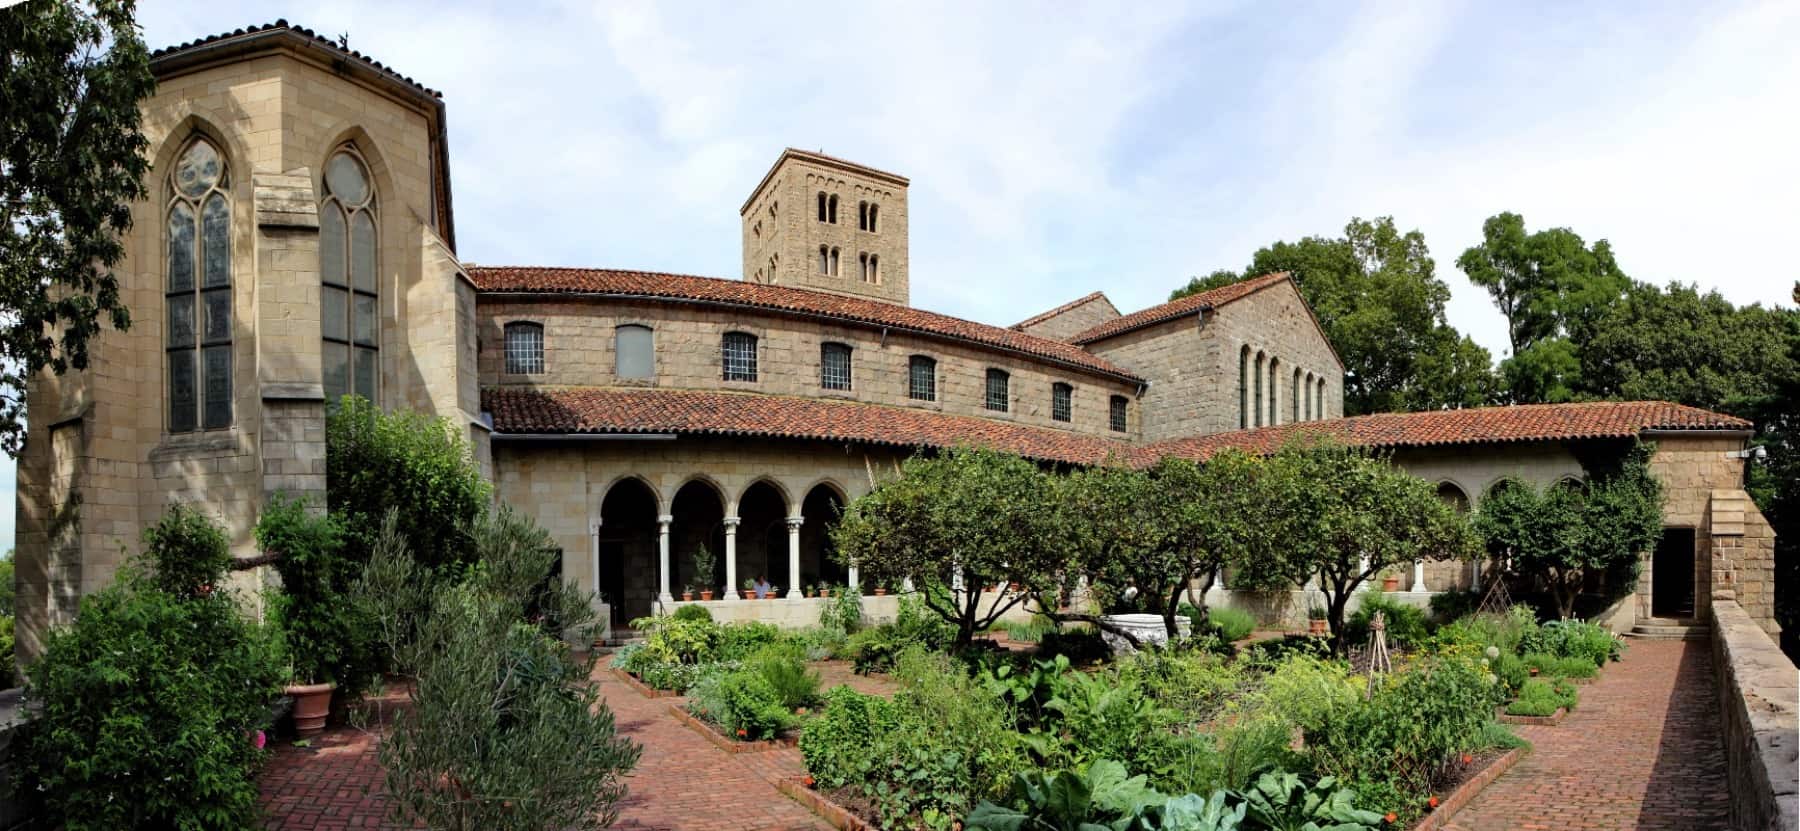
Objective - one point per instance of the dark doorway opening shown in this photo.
(1672, 574)
(628, 550)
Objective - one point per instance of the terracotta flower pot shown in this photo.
(749, 595)
(312, 703)
(880, 591)
(686, 596)
(706, 594)
(1318, 627)
(1390, 584)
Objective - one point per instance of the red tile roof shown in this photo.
(279, 26)
(565, 410)
(500, 279)
(1191, 304)
(1485, 425)
(1072, 304)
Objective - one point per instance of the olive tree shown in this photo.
(954, 522)
(1564, 533)
(1344, 515)
(1158, 529)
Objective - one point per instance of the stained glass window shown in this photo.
(198, 295)
(349, 290)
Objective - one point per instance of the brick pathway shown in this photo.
(681, 782)
(1640, 752)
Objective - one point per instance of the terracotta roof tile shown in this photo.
(282, 25)
(1072, 304)
(496, 279)
(1485, 425)
(1191, 304)
(566, 410)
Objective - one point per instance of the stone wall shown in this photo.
(1082, 315)
(1759, 699)
(579, 349)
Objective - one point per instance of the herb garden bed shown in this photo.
(1535, 721)
(727, 743)
(643, 689)
(840, 817)
(1481, 773)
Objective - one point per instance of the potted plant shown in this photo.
(880, 589)
(1315, 621)
(1390, 581)
(824, 589)
(313, 608)
(705, 566)
(687, 592)
(749, 589)
(774, 592)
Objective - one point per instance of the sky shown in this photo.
(1056, 148)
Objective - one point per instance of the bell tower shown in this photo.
(822, 223)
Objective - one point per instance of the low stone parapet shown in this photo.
(1759, 697)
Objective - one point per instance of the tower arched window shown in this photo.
(1274, 393)
(999, 395)
(874, 277)
(524, 348)
(349, 291)
(874, 217)
(1256, 402)
(824, 260)
(821, 206)
(198, 293)
(834, 261)
(1294, 394)
(737, 356)
(862, 216)
(831, 209)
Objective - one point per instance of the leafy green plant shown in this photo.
(839, 746)
(1555, 667)
(1574, 639)
(693, 613)
(738, 641)
(783, 666)
(843, 612)
(752, 708)
(1406, 625)
(674, 640)
(186, 552)
(1232, 624)
(414, 465)
(1193, 812)
(153, 701)
(1081, 646)
(328, 637)
(1284, 802)
(1100, 797)
(1539, 697)
(1196, 685)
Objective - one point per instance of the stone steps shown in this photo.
(1665, 629)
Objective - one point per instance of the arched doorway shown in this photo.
(699, 523)
(821, 509)
(762, 536)
(1452, 574)
(628, 549)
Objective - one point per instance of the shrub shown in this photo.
(187, 553)
(1097, 716)
(753, 709)
(7, 669)
(1542, 698)
(1195, 685)
(1453, 605)
(784, 668)
(1406, 625)
(1081, 646)
(328, 638)
(840, 745)
(1232, 624)
(1511, 672)
(875, 649)
(153, 706)
(843, 612)
(415, 465)
(1573, 639)
(741, 640)
(674, 640)
(691, 612)
(1554, 667)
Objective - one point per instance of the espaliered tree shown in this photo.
(1157, 530)
(1568, 531)
(1345, 515)
(964, 518)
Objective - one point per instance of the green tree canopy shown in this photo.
(71, 163)
(1553, 289)
(1568, 531)
(1377, 295)
(412, 463)
(1346, 515)
(975, 515)
(1677, 344)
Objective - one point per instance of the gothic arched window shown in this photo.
(198, 293)
(349, 293)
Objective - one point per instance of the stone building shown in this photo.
(299, 244)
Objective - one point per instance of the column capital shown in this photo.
(665, 520)
(731, 523)
(794, 522)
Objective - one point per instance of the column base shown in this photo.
(794, 594)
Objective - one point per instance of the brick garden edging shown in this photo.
(839, 816)
(643, 689)
(1535, 721)
(1467, 791)
(726, 743)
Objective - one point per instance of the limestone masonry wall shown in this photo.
(1759, 699)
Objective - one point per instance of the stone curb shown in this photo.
(839, 816)
(642, 688)
(723, 742)
(1535, 721)
(1467, 791)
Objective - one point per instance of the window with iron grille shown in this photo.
(738, 354)
(1061, 405)
(1118, 413)
(834, 366)
(921, 375)
(997, 396)
(524, 349)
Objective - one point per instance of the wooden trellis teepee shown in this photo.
(1379, 661)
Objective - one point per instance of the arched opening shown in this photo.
(1453, 496)
(698, 522)
(762, 537)
(1244, 388)
(822, 507)
(1274, 391)
(628, 549)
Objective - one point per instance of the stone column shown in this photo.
(594, 556)
(855, 580)
(731, 581)
(1418, 576)
(793, 524)
(662, 565)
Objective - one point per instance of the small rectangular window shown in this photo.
(1061, 402)
(738, 356)
(635, 348)
(834, 366)
(998, 397)
(1117, 416)
(922, 379)
(524, 349)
